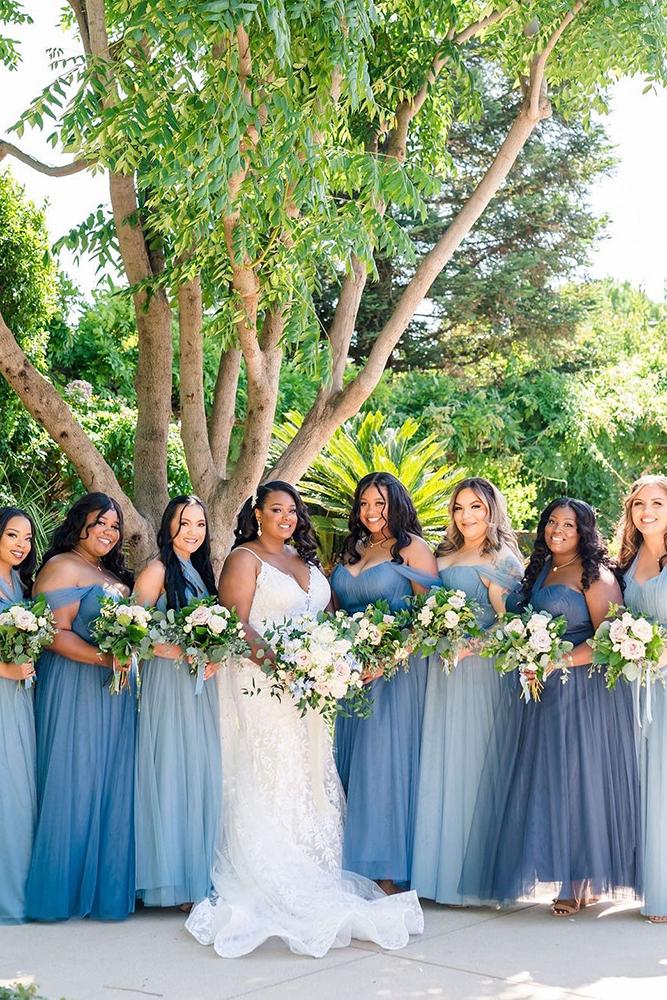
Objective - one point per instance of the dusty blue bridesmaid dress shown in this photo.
(178, 777)
(650, 599)
(18, 798)
(83, 855)
(458, 720)
(378, 757)
(559, 798)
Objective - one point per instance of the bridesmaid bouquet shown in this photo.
(443, 622)
(206, 631)
(530, 643)
(25, 629)
(381, 640)
(629, 647)
(122, 628)
(315, 665)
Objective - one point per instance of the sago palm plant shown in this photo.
(366, 445)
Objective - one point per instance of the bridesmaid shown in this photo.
(480, 556)
(562, 805)
(18, 799)
(178, 774)
(643, 558)
(83, 855)
(384, 556)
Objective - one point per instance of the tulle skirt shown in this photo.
(83, 855)
(18, 800)
(458, 720)
(378, 764)
(653, 774)
(559, 796)
(178, 785)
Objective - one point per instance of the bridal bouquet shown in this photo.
(315, 664)
(25, 629)
(443, 622)
(530, 643)
(629, 647)
(122, 628)
(381, 640)
(206, 631)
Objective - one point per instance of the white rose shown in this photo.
(451, 619)
(627, 619)
(217, 624)
(540, 640)
(24, 619)
(324, 634)
(199, 616)
(633, 649)
(431, 601)
(6, 618)
(642, 629)
(375, 635)
(338, 687)
(515, 627)
(537, 622)
(457, 600)
(618, 631)
(303, 658)
(389, 619)
(425, 616)
(341, 647)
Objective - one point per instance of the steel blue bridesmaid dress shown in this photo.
(650, 599)
(458, 720)
(83, 856)
(178, 777)
(378, 757)
(18, 797)
(559, 797)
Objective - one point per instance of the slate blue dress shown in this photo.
(650, 599)
(83, 856)
(378, 757)
(178, 777)
(458, 719)
(18, 797)
(560, 801)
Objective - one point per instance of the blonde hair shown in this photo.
(499, 533)
(628, 535)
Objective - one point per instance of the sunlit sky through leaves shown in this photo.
(635, 198)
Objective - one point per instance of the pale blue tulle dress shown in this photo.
(650, 599)
(378, 757)
(559, 798)
(458, 719)
(178, 777)
(83, 856)
(18, 798)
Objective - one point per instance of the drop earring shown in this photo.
(259, 529)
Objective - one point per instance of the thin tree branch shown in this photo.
(82, 21)
(65, 170)
(221, 423)
(193, 411)
(538, 68)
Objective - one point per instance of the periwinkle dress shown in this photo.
(178, 777)
(83, 856)
(650, 599)
(559, 799)
(458, 720)
(378, 757)
(18, 799)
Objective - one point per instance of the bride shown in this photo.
(278, 867)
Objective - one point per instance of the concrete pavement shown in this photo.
(607, 952)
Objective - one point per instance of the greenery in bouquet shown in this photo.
(123, 629)
(443, 622)
(628, 646)
(206, 631)
(26, 628)
(381, 639)
(530, 643)
(315, 664)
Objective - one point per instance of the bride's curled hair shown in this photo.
(303, 539)
(499, 532)
(401, 522)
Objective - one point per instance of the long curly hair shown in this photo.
(629, 537)
(66, 536)
(175, 583)
(247, 528)
(402, 520)
(499, 533)
(26, 568)
(591, 549)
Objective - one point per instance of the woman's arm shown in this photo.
(17, 671)
(66, 642)
(236, 589)
(148, 587)
(418, 556)
(599, 596)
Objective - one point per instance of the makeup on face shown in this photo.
(374, 509)
(278, 517)
(188, 529)
(15, 541)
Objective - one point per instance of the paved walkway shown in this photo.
(604, 953)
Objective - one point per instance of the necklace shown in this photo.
(555, 568)
(97, 564)
(371, 544)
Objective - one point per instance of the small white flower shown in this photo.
(425, 616)
(303, 658)
(451, 619)
(538, 622)
(457, 600)
(431, 601)
(515, 627)
(217, 624)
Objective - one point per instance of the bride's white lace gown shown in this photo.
(278, 866)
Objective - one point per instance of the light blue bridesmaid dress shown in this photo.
(458, 719)
(378, 757)
(18, 798)
(83, 854)
(178, 777)
(650, 599)
(559, 798)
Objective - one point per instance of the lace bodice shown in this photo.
(278, 596)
